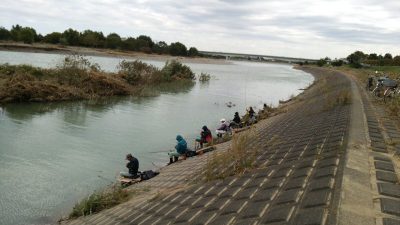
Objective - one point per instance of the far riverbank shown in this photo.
(61, 49)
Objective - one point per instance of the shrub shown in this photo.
(7, 69)
(204, 77)
(136, 71)
(174, 70)
(74, 69)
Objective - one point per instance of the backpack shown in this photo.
(148, 174)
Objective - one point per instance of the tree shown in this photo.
(146, 41)
(70, 37)
(177, 48)
(113, 40)
(5, 34)
(52, 38)
(396, 60)
(373, 56)
(27, 35)
(15, 31)
(337, 62)
(129, 44)
(356, 58)
(321, 62)
(91, 38)
(160, 47)
(387, 56)
(193, 52)
(39, 38)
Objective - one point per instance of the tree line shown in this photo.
(358, 58)
(96, 39)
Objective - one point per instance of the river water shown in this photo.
(53, 154)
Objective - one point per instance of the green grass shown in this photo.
(100, 200)
(388, 69)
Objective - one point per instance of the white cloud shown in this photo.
(300, 28)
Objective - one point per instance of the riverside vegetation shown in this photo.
(76, 78)
(95, 39)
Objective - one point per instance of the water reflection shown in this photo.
(75, 112)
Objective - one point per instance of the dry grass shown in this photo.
(76, 78)
(235, 160)
(341, 98)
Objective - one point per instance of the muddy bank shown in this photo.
(60, 49)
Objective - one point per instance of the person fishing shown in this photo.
(133, 167)
(223, 128)
(236, 121)
(180, 147)
(205, 136)
(251, 112)
(252, 117)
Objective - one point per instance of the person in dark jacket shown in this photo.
(133, 167)
(205, 136)
(252, 116)
(251, 112)
(180, 147)
(236, 122)
(236, 118)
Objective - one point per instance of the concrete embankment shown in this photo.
(307, 178)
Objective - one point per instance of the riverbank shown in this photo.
(77, 78)
(60, 49)
(171, 181)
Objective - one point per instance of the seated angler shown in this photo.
(133, 167)
(236, 122)
(223, 128)
(205, 136)
(180, 147)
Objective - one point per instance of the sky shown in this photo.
(293, 28)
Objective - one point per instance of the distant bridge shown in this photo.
(255, 57)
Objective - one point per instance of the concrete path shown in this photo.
(332, 166)
(383, 144)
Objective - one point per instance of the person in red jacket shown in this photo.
(205, 136)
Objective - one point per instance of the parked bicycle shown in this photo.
(392, 89)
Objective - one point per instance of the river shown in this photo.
(54, 154)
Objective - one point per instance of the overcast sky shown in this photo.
(297, 28)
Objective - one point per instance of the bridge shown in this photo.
(255, 57)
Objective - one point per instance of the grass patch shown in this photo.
(393, 107)
(341, 98)
(101, 200)
(235, 160)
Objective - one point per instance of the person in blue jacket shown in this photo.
(181, 148)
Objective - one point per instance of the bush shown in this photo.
(9, 70)
(74, 69)
(174, 70)
(204, 77)
(321, 62)
(136, 71)
(337, 63)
